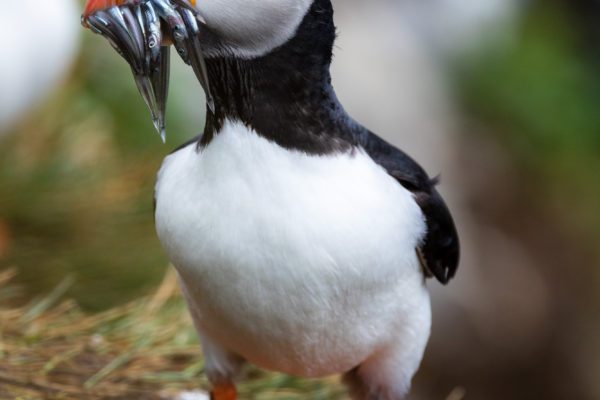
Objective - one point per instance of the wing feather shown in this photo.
(439, 251)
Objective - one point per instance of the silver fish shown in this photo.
(137, 31)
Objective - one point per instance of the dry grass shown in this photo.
(147, 349)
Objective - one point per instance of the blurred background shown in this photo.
(499, 96)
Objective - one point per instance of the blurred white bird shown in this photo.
(45, 42)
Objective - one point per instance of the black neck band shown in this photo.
(285, 96)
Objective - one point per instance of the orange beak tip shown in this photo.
(91, 6)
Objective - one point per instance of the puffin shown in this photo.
(302, 240)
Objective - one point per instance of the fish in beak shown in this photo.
(139, 30)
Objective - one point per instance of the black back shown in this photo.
(286, 96)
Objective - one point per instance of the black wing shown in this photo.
(440, 249)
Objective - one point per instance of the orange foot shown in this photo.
(223, 392)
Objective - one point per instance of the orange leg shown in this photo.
(224, 392)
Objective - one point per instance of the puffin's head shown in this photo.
(245, 28)
(250, 28)
(199, 29)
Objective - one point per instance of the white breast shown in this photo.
(298, 263)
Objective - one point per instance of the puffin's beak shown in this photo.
(91, 6)
(133, 27)
(135, 33)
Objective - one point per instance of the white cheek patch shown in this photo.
(252, 28)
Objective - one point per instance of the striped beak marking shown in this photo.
(139, 31)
